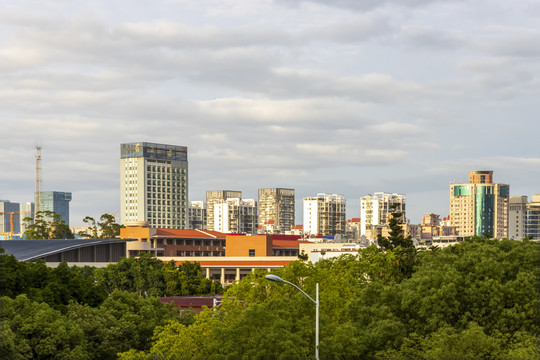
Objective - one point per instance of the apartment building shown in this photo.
(235, 215)
(481, 206)
(375, 210)
(154, 184)
(197, 215)
(325, 214)
(275, 210)
(217, 196)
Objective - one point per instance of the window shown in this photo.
(251, 252)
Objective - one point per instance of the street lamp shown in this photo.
(276, 278)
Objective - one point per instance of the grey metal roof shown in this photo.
(28, 250)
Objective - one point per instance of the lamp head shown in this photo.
(275, 278)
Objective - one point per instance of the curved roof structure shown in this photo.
(31, 250)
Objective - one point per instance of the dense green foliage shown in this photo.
(150, 276)
(54, 286)
(47, 225)
(88, 313)
(144, 275)
(33, 330)
(476, 300)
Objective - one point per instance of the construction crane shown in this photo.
(11, 220)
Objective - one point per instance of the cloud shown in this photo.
(511, 41)
(433, 38)
(361, 5)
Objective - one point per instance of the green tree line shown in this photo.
(90, 313)
(49, 225)
(144, 275)
(475, 300)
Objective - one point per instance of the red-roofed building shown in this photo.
(223, 257)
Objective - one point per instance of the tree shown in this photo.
(47, 225)
(402, 247)
(108, 226)
(92, 230)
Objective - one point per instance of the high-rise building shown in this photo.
(532, 221)
(375, 210)
(6, 209)
(197, 215)
(481, 206)
(27, 210)
(213, 197)
(154, 184)
(325, 214)
(235, 215)
(57, 201)
(276, 204)
(517, 213)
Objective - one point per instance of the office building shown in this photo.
(57, 201)
(154, 184)
(197, 215)
(532, 220)
(480, 207)
(10, 219)
(276, 210)
(325, 214)
(235, 215)
(375, 210)
(214, 196)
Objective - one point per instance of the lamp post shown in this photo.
(316, 301)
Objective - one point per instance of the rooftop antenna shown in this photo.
(37, 200)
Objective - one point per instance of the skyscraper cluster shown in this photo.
(154, 190)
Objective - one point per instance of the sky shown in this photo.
(346, 96)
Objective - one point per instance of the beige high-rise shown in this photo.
(276, 204)
(480, 207)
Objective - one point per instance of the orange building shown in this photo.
(223, 257)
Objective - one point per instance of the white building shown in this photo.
(197, 215)
(324, 214)
(375, 209)
(517, 215)
(154, 184)
(235, 215)
(217, 196)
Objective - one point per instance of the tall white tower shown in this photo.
(154, 184)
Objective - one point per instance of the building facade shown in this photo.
(325, 214)
(215, 196)
(235, 215)
(56, 201)
(517, 215)
(197, 215)
(481, 206)
(10, 219)
(375, 210)
(26, 210)
(154, 184)
(532, 221)
(277, 205)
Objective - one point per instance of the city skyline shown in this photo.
(350, 98)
